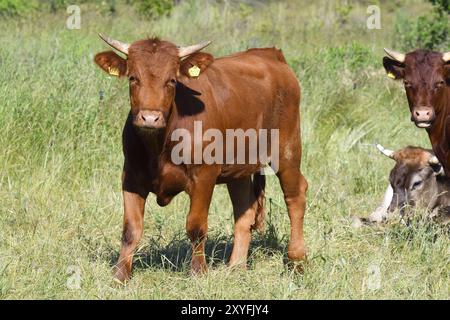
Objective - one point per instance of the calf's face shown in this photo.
(152, 67)
(413, 178)
(152, 75)
(426, 75)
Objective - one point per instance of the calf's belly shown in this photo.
(236, 171)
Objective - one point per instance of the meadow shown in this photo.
(61, 121)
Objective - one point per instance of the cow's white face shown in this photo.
(413, 178)
(414, 184)
(422, 187)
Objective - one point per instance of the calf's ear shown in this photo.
(196, 64)
(111, 63)
(438, 170)
(447, 72)
(395, 70)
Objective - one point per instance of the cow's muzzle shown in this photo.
(423, 117)
(148, 119)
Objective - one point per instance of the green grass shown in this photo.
(61, 160)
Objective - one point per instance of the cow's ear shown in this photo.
(395, 70)
(447, 72)
(111, 63)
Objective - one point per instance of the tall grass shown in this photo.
(60, 198)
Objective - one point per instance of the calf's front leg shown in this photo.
(133, 225)
(381, 212)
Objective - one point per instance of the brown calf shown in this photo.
(172, 88)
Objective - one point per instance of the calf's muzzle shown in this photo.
(149, 119)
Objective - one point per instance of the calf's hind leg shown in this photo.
(244, 211)
(294, 186)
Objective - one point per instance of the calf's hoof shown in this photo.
(238, 265)
(378, 215)
(297, 266)
(297, 252)
(297, 258)
(198, 266)
(357, 222)
(121, 275)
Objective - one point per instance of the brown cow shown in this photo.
(417, 179)
(172, 88)
(426, 77)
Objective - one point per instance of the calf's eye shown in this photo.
(416, 184)
(172, 82)
(440, 84)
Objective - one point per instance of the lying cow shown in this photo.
(173, 88)
(417, 179)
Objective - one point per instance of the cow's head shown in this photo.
(426, 76)
(413, 177)
(152, 67)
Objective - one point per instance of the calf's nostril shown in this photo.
(150, 119)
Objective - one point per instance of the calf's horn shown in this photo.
(386, 152)
(185, 51)
(446, 56)
(433, 160)
(400, 57)
(116, 44)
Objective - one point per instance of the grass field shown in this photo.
(61, 160)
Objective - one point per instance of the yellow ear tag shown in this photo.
(391, 75)
(194, 71)
(113, 71)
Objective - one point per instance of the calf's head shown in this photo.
(413, 177)
(152, 67)
(426, 77)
